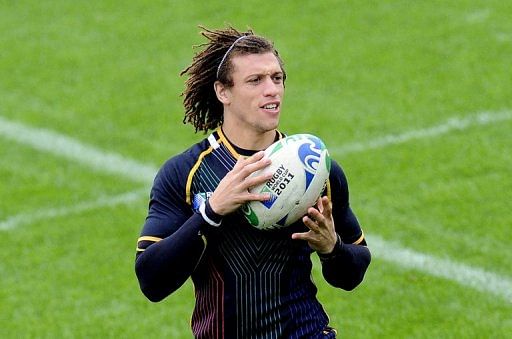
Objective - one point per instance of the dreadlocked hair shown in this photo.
(202, 108)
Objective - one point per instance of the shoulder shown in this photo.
(337, 188)
(337, 175)
(184, 161)
(175, 170)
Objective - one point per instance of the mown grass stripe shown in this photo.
(60, 145)
(46, 140)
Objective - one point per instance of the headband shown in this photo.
(227, 52)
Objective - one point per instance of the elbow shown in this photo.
(351, 284)
(358, 277)
(151, 295)
(347, 282)
(352, 272)
(148, 283)
(350, 281)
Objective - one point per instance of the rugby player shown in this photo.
(248, 283)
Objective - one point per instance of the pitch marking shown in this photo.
(452, 124)
(104, 201)
(465, 275)
(63, 146)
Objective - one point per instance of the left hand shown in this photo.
(321, 236)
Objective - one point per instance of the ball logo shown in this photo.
(273, 197)
(276, 185)
(250, 215)
(309, 154)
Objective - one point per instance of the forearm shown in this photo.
(164, 266)
(346, 265)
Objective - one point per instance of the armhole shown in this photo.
(193, 171)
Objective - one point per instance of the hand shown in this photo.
(233, 190)
(321, 236)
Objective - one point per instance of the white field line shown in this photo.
(452, 124)
(465, 275)
(60, 145)
(63, 146)
(49, 213)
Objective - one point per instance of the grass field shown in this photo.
(413, 98)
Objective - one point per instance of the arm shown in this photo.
(171, 244)
(335, 234)
(165, 265)
(346, 265)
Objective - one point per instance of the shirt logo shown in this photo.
(200, 198)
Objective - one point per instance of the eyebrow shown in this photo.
(265, 73)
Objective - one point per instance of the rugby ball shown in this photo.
(300, 164)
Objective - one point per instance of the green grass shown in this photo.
(106, 74)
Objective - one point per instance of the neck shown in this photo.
(250, 140)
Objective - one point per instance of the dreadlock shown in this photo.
(202, 108)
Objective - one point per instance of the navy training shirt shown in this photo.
(248, 283)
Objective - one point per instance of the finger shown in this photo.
(302, 236)
(253, 166)
(246, 168)
(311, 224)
(319, 204)
(256, 180)
(256, 156)
(257, 196)
(315, 215)
(253, 158)
(327, 207)
(244, 161)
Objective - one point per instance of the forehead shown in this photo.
(247, 64)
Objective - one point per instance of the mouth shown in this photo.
(272, 107)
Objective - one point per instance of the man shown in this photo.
(248, 283)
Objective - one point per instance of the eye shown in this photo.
(254, 80)
(278, 78)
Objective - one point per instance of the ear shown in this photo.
(222, 92)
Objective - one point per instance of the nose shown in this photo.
(271, 88)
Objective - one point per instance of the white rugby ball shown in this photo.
(300, 164)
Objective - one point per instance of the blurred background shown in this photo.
(413, 99)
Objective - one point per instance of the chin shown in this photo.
(267, 124)
(274, 123)
(271, 127)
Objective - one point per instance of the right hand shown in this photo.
(233, 190)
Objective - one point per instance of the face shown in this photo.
(253, 103)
